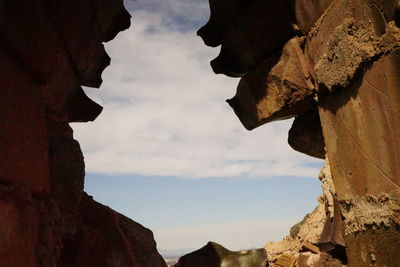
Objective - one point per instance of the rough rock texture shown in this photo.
(308, 239)
(107, 238)
(351, 51)
(309, 11)
(331, 237)
(215, 255)
(305, 135)
(278, 88)
(362, 136)
(223, 14)
(242, 45)
(48, 50)
(308, 230)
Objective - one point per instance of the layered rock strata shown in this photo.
(48, 50)
(334, 66)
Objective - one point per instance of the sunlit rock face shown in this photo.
(334, 65)
(48, 50)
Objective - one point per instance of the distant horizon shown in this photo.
(187, 213)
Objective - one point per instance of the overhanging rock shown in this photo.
(350, 74)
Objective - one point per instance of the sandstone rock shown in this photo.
(19, 231)
(355, 36)
(48, 50)
(366, 248)
(79, 107)
(309, 11)
(108, 238)
(318, 232)
(286, 260)
(111, 17)
(309, 230)
(215, 255)
(35, 46)
(360, 125)
(328, 189)
(307, 246)
(332, 233)
(23, 154)
(223, 14)
(316, 45)
(318, 260)
(307, 259)
(305, 135)
(347, 120)
(278, 88)
(259, 31)
(80, 32)
(67, 168)
(352, 58)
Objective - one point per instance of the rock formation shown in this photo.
(334, 65)
(215, 255)
(317, 239)
(48, 50)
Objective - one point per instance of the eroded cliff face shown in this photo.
(48, 50)
(333, 65)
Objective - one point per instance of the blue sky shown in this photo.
(168, 152)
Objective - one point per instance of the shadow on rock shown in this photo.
(215, 255)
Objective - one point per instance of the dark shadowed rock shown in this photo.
(107, 238)
(215, 255)
(260, 29)
(24, 153)
(305, 135)
(48, 51)
(309, 11)
(223, 14)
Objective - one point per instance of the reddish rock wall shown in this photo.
(48, 50)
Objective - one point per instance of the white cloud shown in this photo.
(165, 112)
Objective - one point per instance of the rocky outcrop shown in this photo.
(317, 239)
(215, 255)
(107, 238)
(242, 45)
(342, 80)
(276, 89)
(48, 50)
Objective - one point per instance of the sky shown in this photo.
(168, 151)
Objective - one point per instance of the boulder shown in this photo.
(215, 255)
